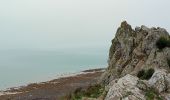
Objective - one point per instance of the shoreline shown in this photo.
(53, 77)
(71, 80)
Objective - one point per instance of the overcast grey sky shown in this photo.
(52, 24)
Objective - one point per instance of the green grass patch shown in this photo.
(92, 92)
(151, 94)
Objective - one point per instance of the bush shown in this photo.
(141, 73)
(145, 74)
(151, 94)
(162, 43)
(93, 91)
(149, 73)
(168, 60)
(78, 93)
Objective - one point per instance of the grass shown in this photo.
(145, 74)
(163, 42)
(151, 94)
(92, 92)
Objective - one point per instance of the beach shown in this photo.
(54, 89)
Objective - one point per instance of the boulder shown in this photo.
(158, 81)
(125, 89)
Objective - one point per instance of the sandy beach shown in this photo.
(54, 89)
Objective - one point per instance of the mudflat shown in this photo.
(54, 89)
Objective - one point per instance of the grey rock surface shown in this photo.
(125, 89)
(133, 50)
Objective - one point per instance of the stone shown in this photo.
(158, 80)
(125, 89)
(137, 29)
(167, 96)
(133, 50)
(143, 85)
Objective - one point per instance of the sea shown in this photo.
(21, 67)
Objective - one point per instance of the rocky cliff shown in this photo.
(138, 65)
(133, 50)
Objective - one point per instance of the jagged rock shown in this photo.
(158, 81)
(167, 80)
(133, 50)
(143, 85)
(137, 29)
(167, 96)
(125, 89)
(131, 97)
(107, 87)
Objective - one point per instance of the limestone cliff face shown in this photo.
(135, 49)
(138, 66)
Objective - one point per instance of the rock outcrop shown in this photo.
(126, 87)
(138, 65)
(132, 52)
(131, 87)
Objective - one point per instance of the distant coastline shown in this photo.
(19, 67)
(63, 79)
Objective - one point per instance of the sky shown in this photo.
(54, 24)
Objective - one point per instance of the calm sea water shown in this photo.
(20, 67)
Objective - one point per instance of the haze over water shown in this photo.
(42, 38)
(20, 67)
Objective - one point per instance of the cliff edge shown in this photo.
(138, 65)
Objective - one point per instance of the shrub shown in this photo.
(162, 43)
(141, 73)
(145, 74)
(168, 60)
(78, 93)
(93, 91)
(149, 73)
(151, 94)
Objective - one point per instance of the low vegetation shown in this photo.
(141, 73)
(151, 94)
(145, 74)
(163, 42)
(168, 60)
(92, 92)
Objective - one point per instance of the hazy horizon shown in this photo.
(54, 24)
(40, 39)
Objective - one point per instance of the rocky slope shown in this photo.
(138, 65)
(142, 52)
